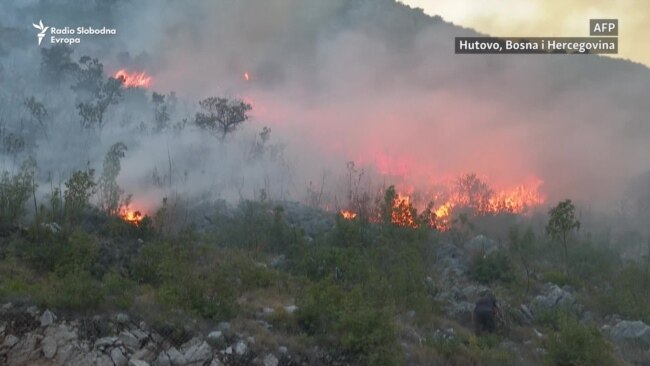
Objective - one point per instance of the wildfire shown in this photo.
(348, 215)
(402, 212)
(131, 216)
(468, 192)
(133, 79)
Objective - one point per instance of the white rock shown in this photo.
(198, 353)
(133, 362)
(215, 338)
(631, 331)
(104, 360)
(48, 344)
(10, 341)
(129, 340)
(139, 334)
(162, 360)
(105, 342)
(176, 358)
(122, 318)
(47, 318)
(118, 358)
(241, 348)
(290, 308)
(270, 360)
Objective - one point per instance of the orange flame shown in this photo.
(133, 79)
(517, 200)
(402, 212)
(348, 215)
(246, 76)
(131, 216)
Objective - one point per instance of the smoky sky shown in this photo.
(372, 82)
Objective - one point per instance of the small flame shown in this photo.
(133, 79)
(246, 76)
(348, 215)
(131, 216)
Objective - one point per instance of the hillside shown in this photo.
(313, 183)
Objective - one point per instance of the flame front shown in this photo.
(468, 192)
(133, 79)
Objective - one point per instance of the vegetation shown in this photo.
(221, 116)
(367, 288)
(562, 219)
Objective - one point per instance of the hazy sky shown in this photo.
(546, 18)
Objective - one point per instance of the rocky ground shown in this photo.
(33, 336)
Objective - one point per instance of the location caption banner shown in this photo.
(536, 45)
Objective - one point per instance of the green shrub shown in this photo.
(347, 321)
(627, 295)
(559, 278)
(73, 291)
(553, 318)
(284, 321)
(490, 268)
(577, 344)
(15, 190)
(58, 253)
(120, 290)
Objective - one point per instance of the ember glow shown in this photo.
(133, 79)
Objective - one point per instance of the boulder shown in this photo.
(129, 340)
(270, 360)
(104, 360)
(481, 245)
(47, 318)
(241, 348)
(452, 261)
(121, 318)
(48, 344)
(162, 360)
(290, 309)
(555, 297)
(175, 357)
(10, 341)
(25, 350)
(133, 362)
(118, 357)
(216, 339)
(102, 343)
(147, 353)
(627, 331)
(199, 353)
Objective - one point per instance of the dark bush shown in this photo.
(490, 268)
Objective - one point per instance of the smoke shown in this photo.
(372, 82)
